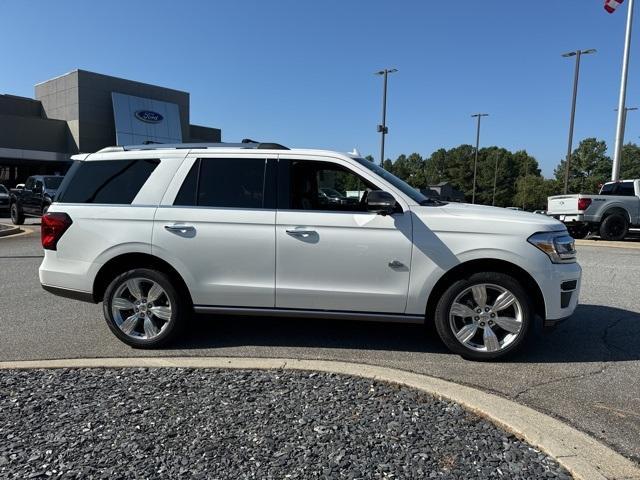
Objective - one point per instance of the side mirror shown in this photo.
(381, 202)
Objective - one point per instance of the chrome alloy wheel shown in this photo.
(486, 317)
(141, 308)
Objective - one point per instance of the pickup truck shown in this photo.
(35, 198)
(610, 213)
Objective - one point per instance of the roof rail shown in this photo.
(177, 146)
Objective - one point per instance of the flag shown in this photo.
(611, 5)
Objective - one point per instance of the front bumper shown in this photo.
(561, 291)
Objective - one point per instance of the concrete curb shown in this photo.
(582, 455)
(10, 230)
(607, 243)
(16, 232)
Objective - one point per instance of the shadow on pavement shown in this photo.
(593, 334)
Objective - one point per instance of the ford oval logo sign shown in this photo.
(149, 116)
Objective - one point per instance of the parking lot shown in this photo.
(584, 372)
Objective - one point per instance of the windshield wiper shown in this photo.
(429, 201)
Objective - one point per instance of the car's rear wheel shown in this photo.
(17, 217)
(484, 317)
(143, 308)
(614, 227)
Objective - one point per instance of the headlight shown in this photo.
(559, 246)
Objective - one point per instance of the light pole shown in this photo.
(624, 122)
(475, 163)
(383, 128)
(577, 54)
(615, 170)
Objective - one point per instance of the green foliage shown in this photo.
(517, 175)
(532, 192)
(590, 166)
(456, 166)
(630, 165)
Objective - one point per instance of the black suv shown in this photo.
(34, 199)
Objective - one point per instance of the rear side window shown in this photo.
(105, 181)
(228, 183)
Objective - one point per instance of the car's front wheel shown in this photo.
(17, 216)
(143, 308)
(484, 317)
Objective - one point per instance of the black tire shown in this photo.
(614, 227)
(178, 306)
(45, 209)
(444, 328)
(17, 215)
(579, 232)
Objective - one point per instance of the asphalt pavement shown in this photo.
(584, 372)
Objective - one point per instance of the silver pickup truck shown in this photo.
(610, 213)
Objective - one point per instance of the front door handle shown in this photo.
(299, 232)
(180, 228)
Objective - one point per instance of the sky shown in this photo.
(301, 73)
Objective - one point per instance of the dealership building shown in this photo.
(83, 112)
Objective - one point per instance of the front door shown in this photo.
(219, 231)
(332, 254)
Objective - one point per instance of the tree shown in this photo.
(630, 165)
(532, 192)
(590, 167)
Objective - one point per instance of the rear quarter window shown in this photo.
(105, 181)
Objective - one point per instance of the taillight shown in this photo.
(583, 203)
(54, 224)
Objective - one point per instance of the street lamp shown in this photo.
(624, 121)
(475, 163)
(383, 128)
(577, 54)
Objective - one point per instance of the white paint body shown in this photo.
(246, 258)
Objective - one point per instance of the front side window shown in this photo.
(626, 189)
(3, 189)
(226, 183)
(310, 185)
(115, 182)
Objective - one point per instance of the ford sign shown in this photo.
(149, 116)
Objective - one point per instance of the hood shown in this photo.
(464, 217)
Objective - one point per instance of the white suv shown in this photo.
(157, 232)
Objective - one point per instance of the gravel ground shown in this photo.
(186, 423)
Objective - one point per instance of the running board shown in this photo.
(302, 313)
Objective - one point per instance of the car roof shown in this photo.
(124, 154)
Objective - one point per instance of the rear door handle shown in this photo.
(299, 232)
(179, 228)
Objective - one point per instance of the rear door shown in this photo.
(216, 225)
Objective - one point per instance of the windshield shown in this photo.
(52, 183)
(3, 189)
(395, 181)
